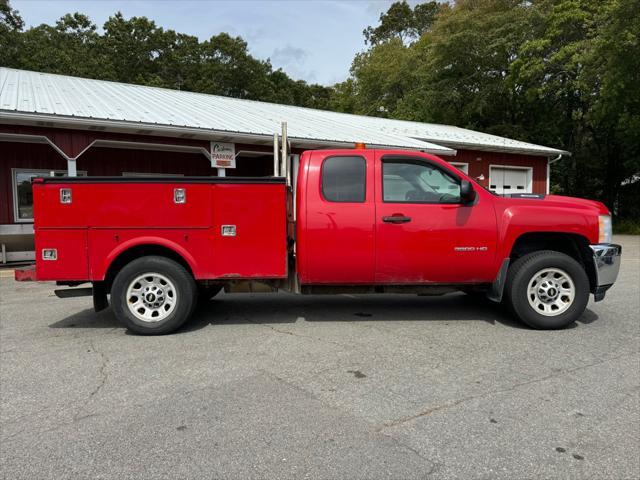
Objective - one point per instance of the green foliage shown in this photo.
(463, 67)
(383, 77)
(403, 23)
(11, 25)
(626, 227)
(70, 47)
(343, 96)
(564, 73)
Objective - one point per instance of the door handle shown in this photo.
(396, 219)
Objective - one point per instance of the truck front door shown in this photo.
(424, 234)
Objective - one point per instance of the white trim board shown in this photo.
(465, 166)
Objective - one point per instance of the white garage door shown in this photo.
(510, 180)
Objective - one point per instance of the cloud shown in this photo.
(288, 55)
(292, 60)
(293, 40)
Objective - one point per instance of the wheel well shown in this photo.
(141, 251)
(574, 245)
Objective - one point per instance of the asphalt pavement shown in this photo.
(279, 386)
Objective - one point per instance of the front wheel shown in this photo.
(153, 295)
(547, 289)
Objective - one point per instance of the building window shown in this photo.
(344, 179)
(463, 167)
(417, 182)
(22, 193)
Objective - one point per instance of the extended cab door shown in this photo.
(423, 233)
(336, 241)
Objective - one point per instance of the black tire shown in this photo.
(523, 270)
(183, 291)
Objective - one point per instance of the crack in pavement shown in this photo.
(104, 361)
(453, 403)
(80, 413)
(450, 404)
(433, 466)
(423, 413)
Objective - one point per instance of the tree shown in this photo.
(580, 76)
(11, 25)
(403, 23)
(136, 50)
(70, 47)
(564, 73)
(382, 77)
(228, 69)
(298, 92)
(462, 67)
(343, 97)
(612, 69)
(134, 46)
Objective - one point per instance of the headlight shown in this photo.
(605, 235)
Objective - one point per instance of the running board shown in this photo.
(98, 292)
(73, 292)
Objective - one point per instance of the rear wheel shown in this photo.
(547, 289)
(153, 295)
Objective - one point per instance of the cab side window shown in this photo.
(344, 179)
(409, 181)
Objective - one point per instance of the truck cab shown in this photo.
(376, 217)
(360, 221)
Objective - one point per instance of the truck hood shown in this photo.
(558, 201)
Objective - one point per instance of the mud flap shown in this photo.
(497, 287)
(100, 301)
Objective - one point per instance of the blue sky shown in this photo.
(314, 40)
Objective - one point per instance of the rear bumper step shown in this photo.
(25, 274)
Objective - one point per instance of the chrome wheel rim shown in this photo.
(551, 292)
(151, 297)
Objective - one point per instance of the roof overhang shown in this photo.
(462, 145)
(139, 128)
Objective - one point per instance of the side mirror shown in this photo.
(467, 193)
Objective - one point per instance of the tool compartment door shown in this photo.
(70, 262)
(249, 231)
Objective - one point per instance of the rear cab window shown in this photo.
(344, 179)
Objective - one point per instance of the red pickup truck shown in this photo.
(356, 221)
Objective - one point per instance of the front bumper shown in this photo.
(606, 259)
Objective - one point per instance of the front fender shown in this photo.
(518, 220)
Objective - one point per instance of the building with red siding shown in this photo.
(60, 125)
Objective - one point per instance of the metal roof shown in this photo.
(457, 137)
(27, 96)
